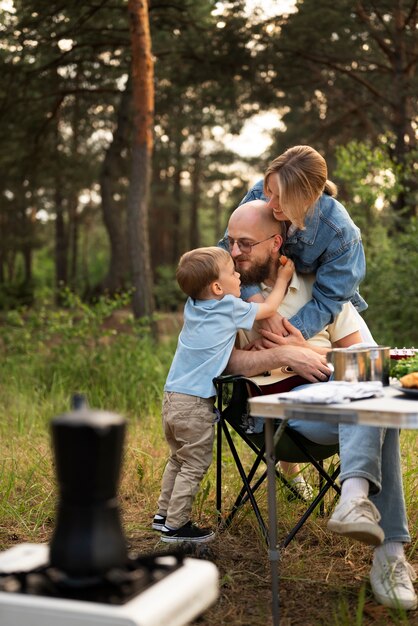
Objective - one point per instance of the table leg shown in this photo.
(272, 516)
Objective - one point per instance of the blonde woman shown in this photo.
(321, 237)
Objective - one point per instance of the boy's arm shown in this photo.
(274, 299)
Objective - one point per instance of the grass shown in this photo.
(48, 355)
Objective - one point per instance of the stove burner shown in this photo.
(116, 586)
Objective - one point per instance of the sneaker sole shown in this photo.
(395, 603)
(366, 533)
(166, 539)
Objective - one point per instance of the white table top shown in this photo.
(394, 410)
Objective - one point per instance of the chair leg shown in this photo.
(219, 458)
(245, 482)
(219, 472)
(243, 498)
(321, 485)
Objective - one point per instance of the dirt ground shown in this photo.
(321, 577)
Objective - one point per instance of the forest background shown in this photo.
(341, 77)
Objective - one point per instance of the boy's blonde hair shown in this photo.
(198, 268)
(302, 177)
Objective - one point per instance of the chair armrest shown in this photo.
(227, 378)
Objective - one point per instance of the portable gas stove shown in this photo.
(157, 590)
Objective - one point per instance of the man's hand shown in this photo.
(294, 336)
(307, 363)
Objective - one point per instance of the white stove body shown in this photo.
(174, 601)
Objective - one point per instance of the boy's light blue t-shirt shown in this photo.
(206, 342)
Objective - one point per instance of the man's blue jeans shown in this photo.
(372, 453)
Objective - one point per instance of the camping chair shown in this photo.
(291, 447)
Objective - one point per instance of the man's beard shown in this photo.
(257, 273)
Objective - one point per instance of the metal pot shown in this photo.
(362, 364)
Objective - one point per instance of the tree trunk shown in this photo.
(61, 234)
(143, 108)
(195, 199)
(113, 217)
(177, 234)
(60, 243)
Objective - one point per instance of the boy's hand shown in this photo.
(286, 268)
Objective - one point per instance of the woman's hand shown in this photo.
(293, 336)
(273, 324)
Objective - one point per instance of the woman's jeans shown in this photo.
(372, 453)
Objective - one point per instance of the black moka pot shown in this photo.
(88, 539)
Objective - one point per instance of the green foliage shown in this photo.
(390, 289)
(328, 78)
(48, 355)
(369, 183)
(58, 352)
(15, 295)
(167, 293)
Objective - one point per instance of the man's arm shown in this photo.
(303, 361)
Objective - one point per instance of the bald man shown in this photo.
(372, 505)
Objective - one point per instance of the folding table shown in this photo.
(394, 409)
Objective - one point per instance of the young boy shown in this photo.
(212, 316)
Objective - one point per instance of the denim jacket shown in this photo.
(331, 247)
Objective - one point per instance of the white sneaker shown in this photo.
(391, 582)
(357, 518)
(303, 488)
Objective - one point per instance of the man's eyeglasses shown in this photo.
(244, 244)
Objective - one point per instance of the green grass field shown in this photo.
(48, 355)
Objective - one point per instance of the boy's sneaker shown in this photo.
(158, 522)
(392, 583)
(359, 519)
(189, 532)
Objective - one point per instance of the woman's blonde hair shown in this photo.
(301, 174)
(198, 268)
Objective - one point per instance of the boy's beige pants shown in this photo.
(188, 423)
